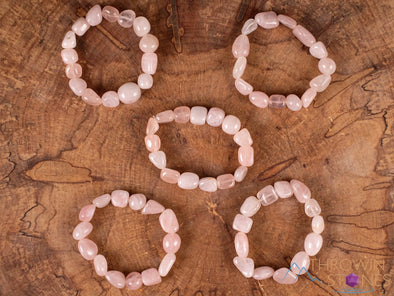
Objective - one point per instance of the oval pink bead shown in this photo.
(102, 201)
(158, 159)
(129, 93)
(86, 213)
(267, 19)
(304, 36)
(284, 276)
(287, 21)
(231, 124)
(126, 18)
(293, 102)
(263, 272)
(69, 56)
(100, 265)
(152, 143)
(308, 96)
(241, 244)
(165, 116)
(240, 173)
(277, 101)
(110, 99)
(188, 181)
(151, 277)
(110, 13)
(225, 181)
(245, 266)
(169, 176)
(145, 81)
(69, 40)
(141, 26)
(182, 114)
(259, 99)
(246, 156)
(327, 66)
(318, 50)
(312, 208)
(152, 126)
(208, 184)
(94, 15)
(134, 281)
(149, 63)
(152, 207)
(171, 243)
(82, 230)
(243, 87)
(166, 264)
(283, 189)
(87, 248)
(168, 221)
(318, 224)
(243, 138)
(215, 117)
(120, 198)
(198, 115)
(239, 67)
(116, 278)
(300, 190)
(267, 195)
(249, 26)
(73, 71)
(242, 223)
(241, 46)
(149, 43)
(313, 243)
(250, 206)
(90, 97)
(137, 201)
(321, 82)
(80, 26)
(300, 263)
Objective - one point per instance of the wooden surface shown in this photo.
(57, 154)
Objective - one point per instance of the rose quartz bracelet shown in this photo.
(89, 250)
(243, 223)
(199, 116)
(129, 92)
(269, 20)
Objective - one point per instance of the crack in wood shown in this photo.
(276, 169)
(349, 247)
(173, 21)
(370, 220)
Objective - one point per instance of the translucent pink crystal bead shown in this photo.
(141, 26)
(137, 201)
(87, 248)
(239, 67)
(168, 221)
(86, 213)
(188, 181)
(287, 21)
(182, 114)
(259, 99)
(129, 93)
(152, 127)
(313, 243)
(283, 189)
(318, 224)
(240, 173)
(304, 36)
(145, 81)
(312, 208)
(151, 277)
(152, 143)
(110, 13)
(293, 102)
(120, 198)
(94, 16)
(277, 101)
(102, 201)
(80, 26)
(245, 266)
(215, 117)
(318, 50)
(284, 276)
(243, 138)
(225, 181)
(241, 244)
(241, 46)
(263, 272)
(300, 263)
(133, 281)
(126, 18)
(149, 43)
(171, 243)
(165, 116)
(90, 97)
(250, 206)
(327, 66)
(149, 63)
(166, 264)
(110, 99)
(198, 115)
(267, 20)
(246, 156)
(321, 82)
(100, 265)
(300, 190)
(242, 223)
(308, 96)
(116, 279)
(169, 176)
(69, 40)
(243, 87)
(158, 159)
(152, 207)
(231, 124)
(267, 195)
(249, 27)
(69, 56)
(208, 184)
(82, 230)
(73, 71)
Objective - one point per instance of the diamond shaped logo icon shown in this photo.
(352, 280)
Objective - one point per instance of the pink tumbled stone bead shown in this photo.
(239, 67)
(87, 248)
(313, 243)
(69, 40)
(141, 26)
(82, 230)
(231, 124)
(277, 101)
(145, 81)
(327, 66)
(308, 97)
(149, 43)
(100, 265)
(249, 26)
(245, 266)
(149, 63)
(182, 114)
(134, 281)
(137, 201)
(259, 99)
(318, 50)
(198, 115)
(102, 200)
(110, 99)
(215, 117)
(240, 173)
(284, 276)
(243, 138)
(152, 126)
(267, 195)
(267, 19)
(304, 36)
(318, 224)
(152, 207)
(166, 264)
(151, 277)
(90, 97)
(110, 13)
(80, 26)
(158, 159)
(152, 143)
(120, 198)
(283, 189)
(246, 156)
(250, 206)
(69, 56)
(300, 190)
(293, 102)
(241, 243)
(169, 176)
(287, 21)
(300, 263)
(263, 272)
(171, 243)
(86, 213)
(129, 93)
(241, 46)
(165, 116)
(116, 278)
(243, 87)
(73, 71)
(242, 223)
(208, 184)
(168, 221)
(312, 208)
(225, 181)
(321, 82)
(188, 181)
(94, 15)
(126, 18)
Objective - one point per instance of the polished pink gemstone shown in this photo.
(215, 117)
(263, 272)
(82, 230)
(300, 263)
(293, 102)
(241, 243)
(231, 124)
(165, 116)
(250, 206)
(137, 201)
(86, 213)
(225, 181)
(141, 26)
(267, 195)
(277, 101)
(241, 46)
(110, 99)
(116, 278)
(240, 173)
(318, 50)
(129, 93)
(243, 87)
(151, 277)
(87, 248)
(152, 207)
(152, 143)
(318, 224)
(312, 208)
(188, 181)
(246, 156)
(182, 114)
(321, 82)
(94, 15)
(171, 243)
(149, 43)
(304, 36)
(100, 265)
(259, 99)
(90, 97)
(300, 190)
(145, 81)
(102, 201)
(169, 176)
(208, 184)
(69, 40)
(245, 266)
(284, 276)
(69, 56)
(80, 26)
(308, 97)
(110, 13)
(152, 126)
(287, 21)
(126, 18)
(149, 63)
(243, 138)
(198, 115)
(249, 26)
(166, 264)
(313, 243)
(73, 71)
(242, 223)
(327, 66)
(267, 19)
(168, 221)
(120, 198)
(239, 67)
(283, 189)
(134, 281)
(158, 159)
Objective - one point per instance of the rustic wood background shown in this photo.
(57, 153)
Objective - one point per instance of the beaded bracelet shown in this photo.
(240, 49)
(199, 116)
(89, 250)
(243, 223)
(129, 92)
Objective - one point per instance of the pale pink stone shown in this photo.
(318, 224)
(149, 63)
(116, 278)
(152, 143)
(308, 97)
(287, 21)
(149, 43)
(313, 243)
(243, 87)
(137, 201)
(165, 116)
(239, 67)
(102, 201)
(225, 181)
(145, 81)
(246, 156)
(152, 126)
(242, 223)
(120, 198)
(245, 266)
(134, 281)
(263, 272)
(243, 138)
(312, 208)
(182, 114)
(141, 26)
(250, 206)
(277, 101)
(126, 18)
(198, 115)
(110, 13)
(100, 265)
(283, 189)
(241, 243)
(69, 56)
(129, 93)
(110, 99)
(208, 184)
(293, 102)
(73, 71)
(321, 82)
(80, 26)
(151, 277)
(267, 19)
(152, 207)
(90, 97)
(304, 36)
(87, 248)
(82, 230)
(188, 181)
(94, 15)
(169, 176)
(259, 99)
(168, 221)
(69, 40)
(86, 213)
(327, 66)
(318, 50)
(267, 195)
(231, 124)
(240, 173)
(166, 264)
(241, 46)
(300, 263)
(249, 26)
(284, 276)
(215, 117)
(158, 159)
(300, 190)
(171, 243)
